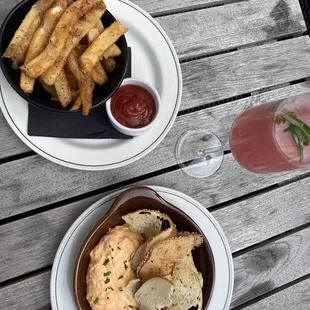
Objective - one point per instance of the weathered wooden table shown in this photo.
(234, 54)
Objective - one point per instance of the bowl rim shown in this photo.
(29, 99)
(152, 90)
(94, 230)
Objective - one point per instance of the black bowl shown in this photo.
(40, 97)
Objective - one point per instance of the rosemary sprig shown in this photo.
(299, 130)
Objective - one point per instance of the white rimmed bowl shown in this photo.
(134, 132)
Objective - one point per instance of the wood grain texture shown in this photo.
(54, 183)
(158, 7)
(31, 243)
(230, 26)
(271, 266)
(224, 76)
(256, 272)
(30, 294)
(296, 297)
(265, 216)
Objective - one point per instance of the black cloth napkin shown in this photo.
(96, 125)
(305, 7)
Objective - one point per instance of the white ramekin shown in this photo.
(135, 131)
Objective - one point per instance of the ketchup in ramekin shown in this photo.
(133, 106)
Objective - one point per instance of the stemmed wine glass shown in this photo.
(272, 137)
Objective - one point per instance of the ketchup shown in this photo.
(133, 106)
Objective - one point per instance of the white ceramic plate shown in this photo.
(62, 296)
(153, 60)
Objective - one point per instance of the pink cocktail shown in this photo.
(261, 143)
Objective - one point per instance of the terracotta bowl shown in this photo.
(131, 200)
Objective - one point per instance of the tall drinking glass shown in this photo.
(272, 137)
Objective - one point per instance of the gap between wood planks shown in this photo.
(184, 112)
(272, 292)
(235, 255)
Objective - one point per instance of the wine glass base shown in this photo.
(199, 153)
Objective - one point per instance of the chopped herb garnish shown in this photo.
(130, 306)
(112, 249)
(120, 289)
(119, 248)
(106, 262)
(96, 300)
(125, 265)
(120, 277)
(107, 280)
(106, 274)
(110, 288)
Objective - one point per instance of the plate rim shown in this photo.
(88, 167)
(111, 196)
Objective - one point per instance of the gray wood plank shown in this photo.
(54, 183)
(225, 76)
(271, 266)
(295, 297)
(159, 7)
(265, 216)
(151, 6)
(256, 272)
(31, 294)
(31, 243)
(230, 26)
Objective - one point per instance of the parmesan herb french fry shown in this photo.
(50, 89)
(77, 104)
(40, 39)
(85, 82)
(109, 64)
(63, 89)
(97, 72)
(113, 51)
(18, 46)
(95, 51)
(59, 38)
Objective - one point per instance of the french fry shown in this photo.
(95, 51)
(71, 79)
(109, 64)
(50, 89)
(113, 51)
(63, 90)
(18, 46)
(85, 82)
(79, 31)
(99, 26)
(97, 72)
(77, 104)
(40, 39)
(58, 38)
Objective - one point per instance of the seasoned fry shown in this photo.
(63, 89)
(97, 72)
(85, 82)
(40, 39)
(99, 26)
(59, 37)
(17, 48)
(50, 89)
(109, 64)
(71, 79)
(95, 51)
(77, 104)
(77, 33)
(113, 51)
